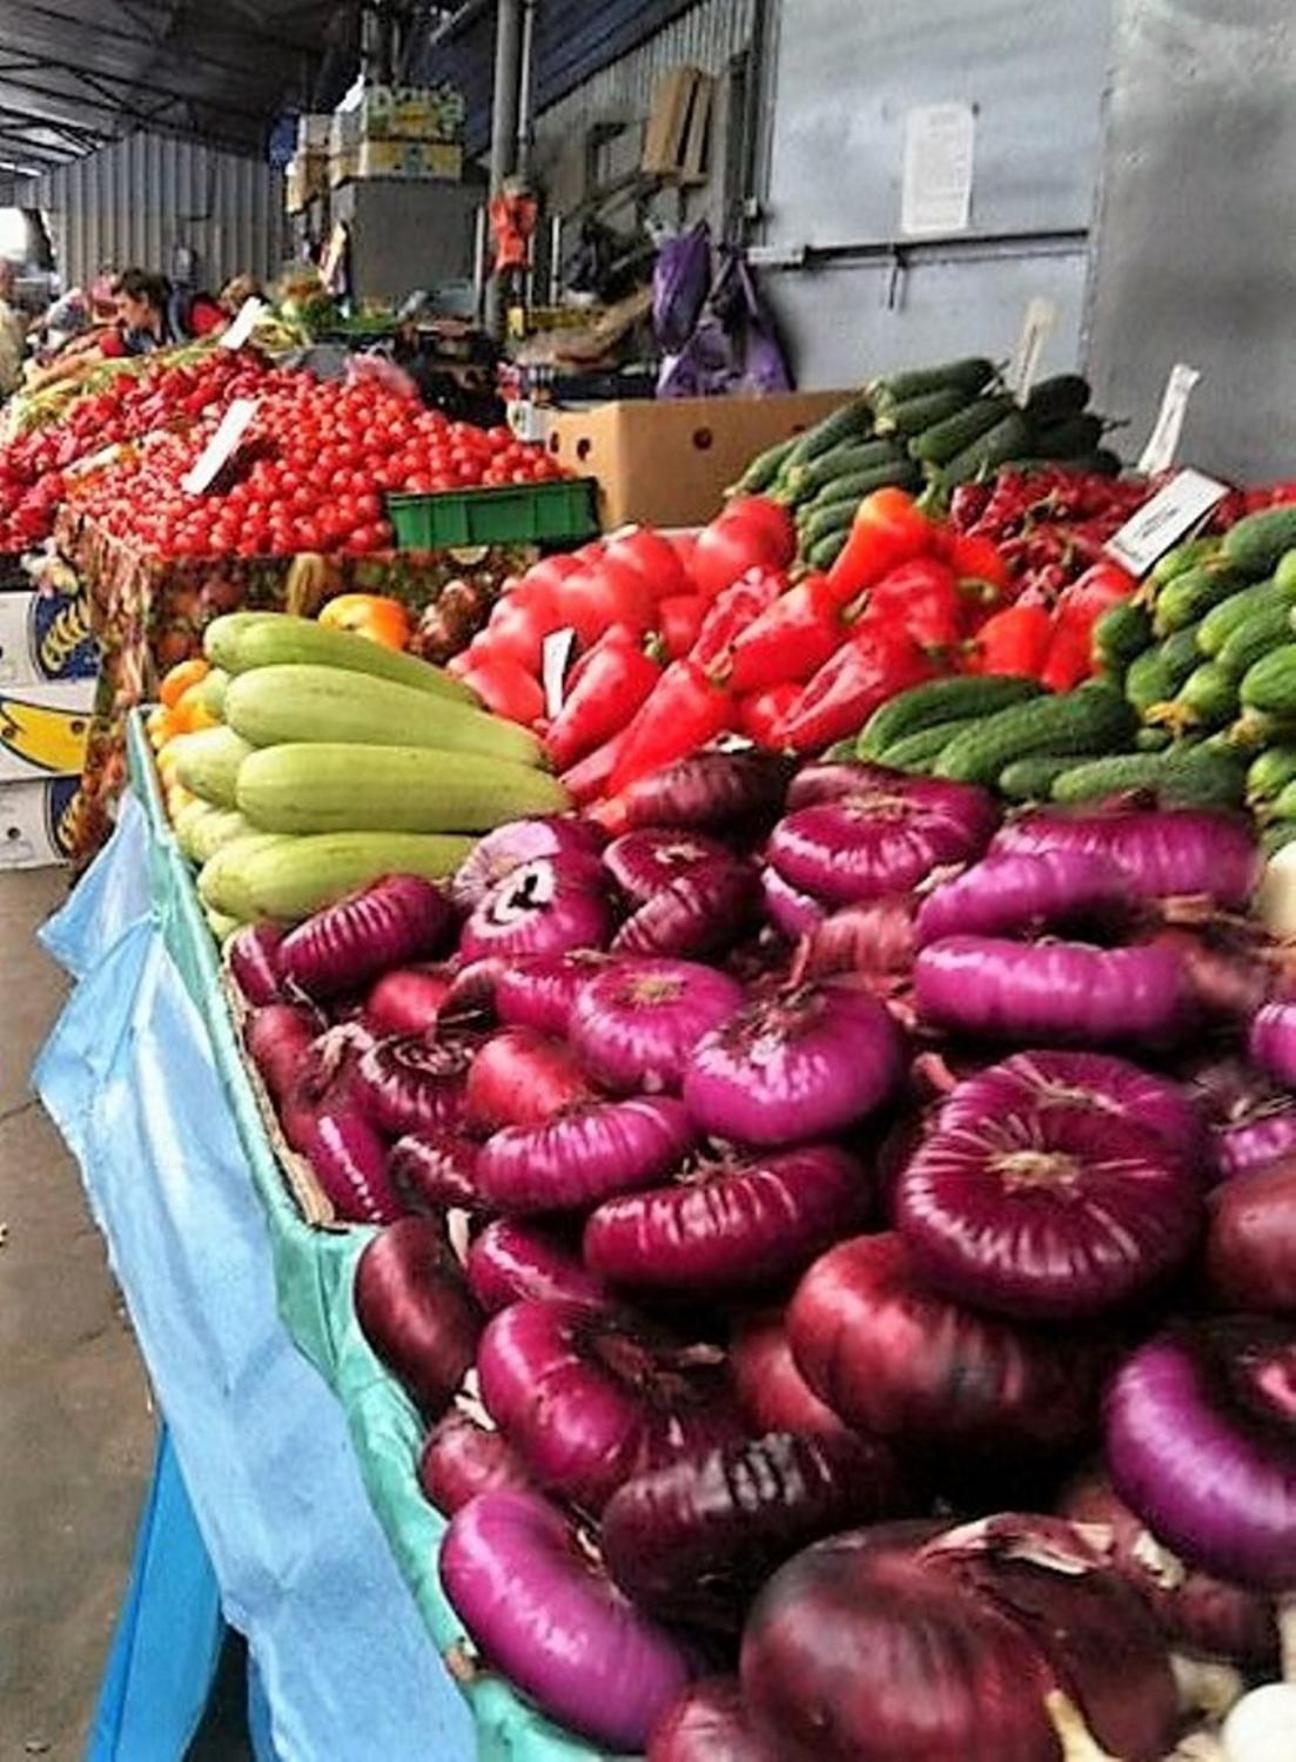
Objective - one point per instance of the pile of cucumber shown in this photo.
(939, 426)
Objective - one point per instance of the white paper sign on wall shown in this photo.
(936, 187)
(1163, 442)
(221, 447)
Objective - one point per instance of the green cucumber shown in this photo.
(1257, 544)
(764, 468)
(850, 421)
(1093, 719)
(1285, 573)
(1269, 685)
(1121, 634)
(1276, 836)
(940, 700)
(1208, 698)
(1032, 779)
(1238, 609)
(1157, 673)
(1052, 400)
(1266, 629)
(1152, 740)
(1008, 439)
(1284, 803)
(856, 455)
(943, 441)
(1188, 597)
(1070, 438)
(824, 552)
(851, 488)
(1269, 773)
(969, 375)
(836, 517)
(1184, 777)
(920, 750)
(914, 415)
(1188, 555)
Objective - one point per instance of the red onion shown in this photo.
(341, 948)
(707, 1724)
(408, 999)
(708, 790)
(1201, 1443)
(1056, 992)
(1011, 895)
(1258, 1136)
(435, 1172)
(789, 909)
(866, 845)
(729, 1226)
(540, 1608)
(1165, 851)
(538, 992)
(1197, 1613)
(590, 1398)
(415, 1311)
(834, 780)
(509, 1261)
(910, 1643)
(1037, 1081)
(519, 1078)
(894, 1358)
(643, 862)
(347, 1158)
(635, 1026)
(875, 939)
(253, 954)
(461, 1458)
(585, 1154)
(773, 1394)
(470, 1001)
(1272, 1042)
(410, 1084)
(1226, 973)
(702, 912)
(496, 855)
(1048, 1214)
(797, 1065)
(693, 1541)
(542, 907)
(278, 1038)
(1251, 1241)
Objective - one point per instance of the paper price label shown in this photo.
(1037, 326)
(245, 322)
(221, 447)
(936, 187)
(555, 658)
(1163, 442)
(1161, 523)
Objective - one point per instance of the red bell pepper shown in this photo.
(1069, 660)
(685, 710)
(589, 779)
(1015, 641)
(507, 689)
(761, 714)
(889, 528)
(874, 665)
(733, 611)
(1100, 588)
(791, 640)
(975, 558)
(921, 597)
(679, 618)
(606, 688)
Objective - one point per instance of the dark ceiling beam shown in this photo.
(241, 145)
(107, 83)
(256, 31)
(84, 139)
(37, 154)
(142, 39)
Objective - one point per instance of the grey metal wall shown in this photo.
(1196, 243)
(135, 201)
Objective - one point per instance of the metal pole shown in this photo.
(555, 258)
(481, 246)
(504, 126)
(526, 89)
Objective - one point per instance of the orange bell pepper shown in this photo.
(180, 678)
(889, 528)
(372, 615)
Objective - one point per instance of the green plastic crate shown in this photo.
(519, 513)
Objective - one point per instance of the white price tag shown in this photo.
(936, 188)
(555, 658)
(1161, 523)
(1037, 326)
(1163, 442)
(221, 447)
(245, 322)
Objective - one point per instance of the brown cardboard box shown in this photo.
(669, 463)
(676, 135)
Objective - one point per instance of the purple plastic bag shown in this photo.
(681, 279)
(733, 349)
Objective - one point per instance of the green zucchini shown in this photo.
(1178, 561)
(1121, 634)
(1269, 685)
(1183, 777)
(1008, 439)
(1238, 609)
(1070, 438)
(764, 468)
(969, 375)
(914, 415)
(1257, 544)
(1266, 629)
(943, 441)
(1053, 400)
(940, 700)
(1191, 595)
(1092, 719)
(920, 750)
(1032, 779)
(1157, 673)
(1269, 773)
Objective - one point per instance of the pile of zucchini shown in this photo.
(939, 426)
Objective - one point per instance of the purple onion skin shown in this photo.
(506, 848)
(635, 1027)
(1201, 1444)
(863, 847)
(1110, 1086)
(695, 1540)
(708, 1723)
(415, 1311)
(773, 1394)
(1009, 895)
(711, 790)
(1251, 1241)
(509, 1261)
(731, 1227)
(410, 1084)
(1057, 1214)
(585, 1155)
(278, 1037)
(1165, 851)
(1055, 993)
(789, 909)
(699, 913)
(538, 991)
(875, 939)
(461, 1459)
(1261, 1137)
(831, 780)
(254, 961)
(433, 1172)
(1272, 1042)
(801, 1064)
(347, 1158)
(589, 1399)
(551, 1621)
(341, 948)
(547, 906)
(644, 861)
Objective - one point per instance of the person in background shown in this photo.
(154, 315)
(13, 334)
(237, 292)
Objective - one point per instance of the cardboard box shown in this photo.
(676, 138)
(411, 113)
(413, 161)
(35, 832)
(313, 131)
(43, 729)
(45, 636)
(343, 162)
(669, 463)
(306, 178)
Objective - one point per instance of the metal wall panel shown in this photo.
(134, 202)
(1195, 256)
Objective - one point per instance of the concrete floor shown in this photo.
(76, 1429)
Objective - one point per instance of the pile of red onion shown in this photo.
(846, 1261)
